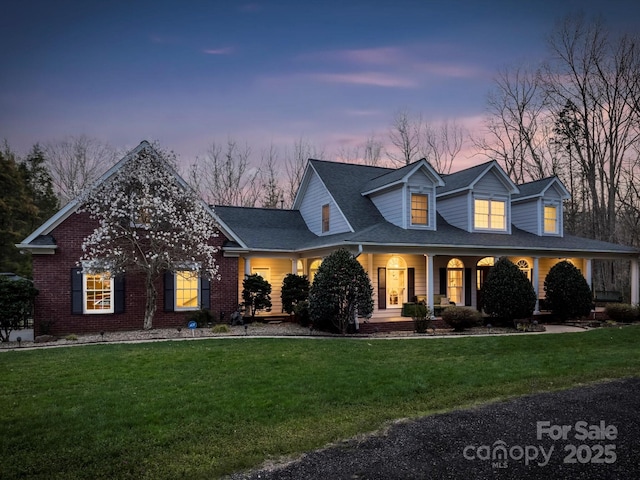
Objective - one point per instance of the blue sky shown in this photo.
(187, 73)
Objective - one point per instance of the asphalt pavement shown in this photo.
(590, 432)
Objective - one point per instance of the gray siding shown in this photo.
(527, 216)
(455, 210)
(389, 204)
(490, 184)
(315, 197)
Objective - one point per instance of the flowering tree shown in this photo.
(149, 222)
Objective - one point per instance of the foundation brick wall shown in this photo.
(52, 277)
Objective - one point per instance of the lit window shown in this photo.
(325, 218)
(490, 214)
(98, 293)
(550, 219)
(455, 277)
(419, 209)
(313, 269)
(187, 289)
(264, 272)
(523, 265)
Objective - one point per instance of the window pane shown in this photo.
(497, 215)
(187, 289)
(550, 219)
(419, 209)
(325, 218)
(481, 219)
(98, 290)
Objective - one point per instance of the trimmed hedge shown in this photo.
(623, 312)
(461, 318)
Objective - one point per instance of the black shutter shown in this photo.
(118, 291)
(467, 286)
(169, 289)
(411, 283)
(443, 281)
(382, 288)
(205, 293)
(76, 291)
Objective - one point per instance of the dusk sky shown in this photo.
(192, 72)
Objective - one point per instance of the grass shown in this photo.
(203, 409)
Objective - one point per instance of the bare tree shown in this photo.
(368, 153)
(295, 165)
(273, 195)
(518, 126)
(76, 162)
(405, 135)
(227, 177)
(442, 144)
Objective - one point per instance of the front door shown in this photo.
(396, 282)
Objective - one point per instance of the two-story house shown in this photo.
(417, 233)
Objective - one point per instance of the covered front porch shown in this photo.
(439, 278)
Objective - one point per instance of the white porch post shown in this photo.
(635, 282)
(247, 266)
(588, 272)
(294, 266)
(535, 279)
(429, 260)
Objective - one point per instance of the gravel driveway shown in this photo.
(591, 432)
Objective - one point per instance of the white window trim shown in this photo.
(556, 205)
(175, 290)
(86, 311)
(507, 219)
(429, 206)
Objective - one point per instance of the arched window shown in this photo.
(524, 267)
(482, 269)
(455, 280)
(396, 282)
(313, 269)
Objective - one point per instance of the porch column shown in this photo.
(294, 266)
(535, 279)
(588, 272)
(247, 266)
(429, 261)
(635, 282)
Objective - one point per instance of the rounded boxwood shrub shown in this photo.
(295, 289)
(622, 312)
(507, 293)
(341, 290)
(567, 292)
(461, 318)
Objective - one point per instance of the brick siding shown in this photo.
(52, 277)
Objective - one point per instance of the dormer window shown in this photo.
(490, 214)
(419, 209)
(325, 218)
(551, 219)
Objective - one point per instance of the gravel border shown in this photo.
(453, 445)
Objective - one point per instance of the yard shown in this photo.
(203, 409)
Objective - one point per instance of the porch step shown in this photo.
(396, 326)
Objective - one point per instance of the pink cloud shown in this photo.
(364, 78)
(218, 51)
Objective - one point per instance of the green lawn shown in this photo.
(202, 409)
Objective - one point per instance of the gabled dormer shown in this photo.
(316, 203)
(406, 197)
(538, 207)
(478, 199)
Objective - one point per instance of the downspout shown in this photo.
(359, 251)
